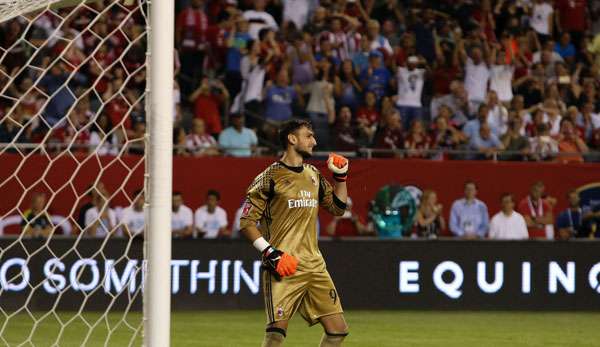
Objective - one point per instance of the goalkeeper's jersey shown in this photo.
(284, 202)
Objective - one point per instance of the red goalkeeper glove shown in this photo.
(279, 263)
(339, 166)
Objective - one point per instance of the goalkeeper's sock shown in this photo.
(274, 337)
(332, 340)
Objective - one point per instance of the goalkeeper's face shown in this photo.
(305, 142)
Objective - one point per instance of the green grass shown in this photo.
(367, 328)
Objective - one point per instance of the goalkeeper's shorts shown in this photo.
(311, 293)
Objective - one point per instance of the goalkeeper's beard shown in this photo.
(304, 154)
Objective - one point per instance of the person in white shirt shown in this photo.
(497, 114)
(542, 18)
(378, 41)
(296, 11)
(501, 76)
(133, 217)
(259, 19)
(182, 218)
(100, 219)
(211, 219)
(477, 74)
(410, 80)
(508, 224)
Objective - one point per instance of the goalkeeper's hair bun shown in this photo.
(289, 127)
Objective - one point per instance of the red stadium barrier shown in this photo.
(231, 176)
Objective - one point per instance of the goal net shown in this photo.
(75, 158)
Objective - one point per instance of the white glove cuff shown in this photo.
(261, 244)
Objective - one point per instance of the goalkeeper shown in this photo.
(280, 218)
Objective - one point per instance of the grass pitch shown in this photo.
(367, 328)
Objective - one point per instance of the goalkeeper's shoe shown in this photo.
(280, 264)
(339, 166)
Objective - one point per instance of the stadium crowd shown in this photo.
(507, 80)
(530, 217)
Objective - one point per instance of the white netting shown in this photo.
(72, 94)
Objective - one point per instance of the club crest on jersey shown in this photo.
(280, 311)
(314, 180)
(246, 209)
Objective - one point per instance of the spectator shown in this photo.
(477, 73)
(296, 13)
(368, 113)
(321, 105)
(508, 224)
(457, 101)
(572, 17)
(179, 142)
(417, 141)
(100, 219)
(198, 142)
(501, 76)
(279, 98)
(346, 87)
(444, 137)
(565, 48)
(104, 139)
(543, 147)
(72, 131)
(469, 216)
(471, 128)
(191, 29)
(346, 136)
(378, 42)
(238, 45)
(54, 83)
(537, 213)
(207, 99)
(429, 221)
(182, 218)
(542, 19)
(253, 71)
(259, 19)
(237, 140)
(36, 220)
(486, 144)
(570, 221)
(498, 114)
(376, 78)
(570, 146)
(410, 81)
(516, 145)
(211, 219)
(136, 145)
(348, 224)
(390, 137)
(133, 216)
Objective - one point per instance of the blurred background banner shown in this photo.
(219, 274)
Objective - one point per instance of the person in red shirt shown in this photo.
(207, 100)
(572, 16)
(191, 28)
(369, 111)
(390, 136)
(538, 213)
(417, 141)
(348, 224)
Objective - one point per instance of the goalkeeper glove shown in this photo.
(339, 166)
(280, 264)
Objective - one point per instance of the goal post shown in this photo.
(157, 303)
(86, 117)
